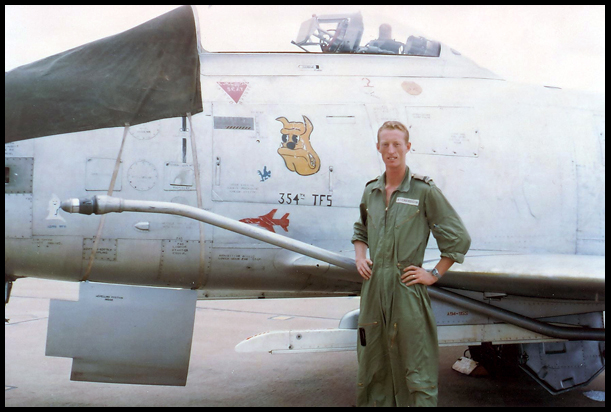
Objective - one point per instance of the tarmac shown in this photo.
(219, 376)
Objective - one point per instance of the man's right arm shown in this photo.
(363, 265)
(360, 239)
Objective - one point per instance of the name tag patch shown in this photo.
(406, 201)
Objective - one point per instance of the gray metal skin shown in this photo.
(535, 190)
(533, 184)
(522, 165)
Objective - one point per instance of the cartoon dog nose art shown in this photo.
(296, 149)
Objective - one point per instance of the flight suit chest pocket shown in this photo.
(409, 233)
(405, 214)
(375, 219)
(372, 220)
(374, 225)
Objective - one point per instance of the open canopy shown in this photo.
(146, 73)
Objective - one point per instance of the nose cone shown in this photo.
(69, 205)
(66, 205)
(83, 206)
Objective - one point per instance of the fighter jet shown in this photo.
(166, 140)
(268, 222)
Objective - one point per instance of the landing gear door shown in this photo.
(124, 334)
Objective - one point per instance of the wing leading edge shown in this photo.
(553, 276)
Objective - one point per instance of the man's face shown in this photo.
(393, 148)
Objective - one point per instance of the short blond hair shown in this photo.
(394, 125)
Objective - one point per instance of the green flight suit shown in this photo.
(397, 348)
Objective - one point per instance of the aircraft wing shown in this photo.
(146, 73)
(551, 276)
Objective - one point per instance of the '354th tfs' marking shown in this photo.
(317, 199)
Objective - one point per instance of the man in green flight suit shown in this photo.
(397, 348)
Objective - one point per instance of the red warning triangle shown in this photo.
(234, 89)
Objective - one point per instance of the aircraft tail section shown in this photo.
(284, 222)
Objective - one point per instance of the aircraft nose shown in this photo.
(70, 205)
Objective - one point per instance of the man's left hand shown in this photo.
(414, 274)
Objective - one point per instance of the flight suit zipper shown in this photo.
(392, 198)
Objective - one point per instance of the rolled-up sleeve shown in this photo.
(360, 226)
(448, 229)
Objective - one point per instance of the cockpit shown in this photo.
(341, 30)
(342, 33)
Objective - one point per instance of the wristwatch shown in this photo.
(435, 273)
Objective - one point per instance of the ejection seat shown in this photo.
(419, 46)
(334, 33)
